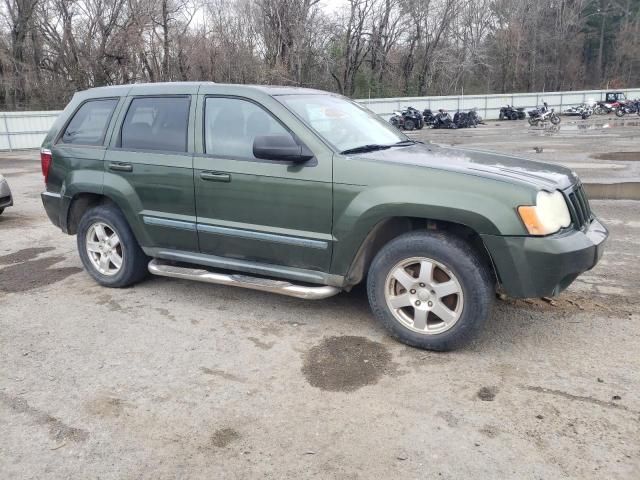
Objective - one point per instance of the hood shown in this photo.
(480, 163)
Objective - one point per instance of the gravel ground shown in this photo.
(174, 379)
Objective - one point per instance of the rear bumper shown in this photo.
(530, 267)
(6, 200)
(53, 206)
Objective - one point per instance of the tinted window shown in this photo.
(89, 125)
(231, 125)
(156, 123)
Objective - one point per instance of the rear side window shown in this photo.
(89, 124)
(156, 123)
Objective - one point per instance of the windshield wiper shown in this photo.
(365, 148)
(373, 147)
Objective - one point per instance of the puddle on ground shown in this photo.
(223, 437)
(33, 274)
(345, 364)
(624, 156)
(23, 255)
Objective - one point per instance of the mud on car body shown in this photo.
(306, 193)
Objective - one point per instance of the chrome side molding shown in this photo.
(157, 267)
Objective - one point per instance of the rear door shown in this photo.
(263, 211)
(149, 166)
(79, 150)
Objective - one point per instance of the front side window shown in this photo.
(156, 123)
(89, 124)
(342, 123)
(232, 124)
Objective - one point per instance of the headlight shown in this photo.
(549, 214)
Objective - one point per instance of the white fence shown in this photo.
(20, 130)
(24, 129)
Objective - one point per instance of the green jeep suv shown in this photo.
(306, 193)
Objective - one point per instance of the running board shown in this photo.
(244, 281)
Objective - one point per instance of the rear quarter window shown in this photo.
(89, 124)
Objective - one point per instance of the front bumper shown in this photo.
(529, 267)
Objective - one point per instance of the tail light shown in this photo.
(45, 162)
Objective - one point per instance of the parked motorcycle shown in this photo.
(606, 107)
(443, 120)
(628, 107)
(512, 113)
(583, 111)
(543, 114)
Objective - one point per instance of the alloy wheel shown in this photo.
(104, 249)
(424, 295)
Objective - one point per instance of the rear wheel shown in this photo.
(108, 249)
(409, 124)
(555, 119)
(430, 290)
(501, 117)
(620, 112)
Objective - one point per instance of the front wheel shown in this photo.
(108, 249)
(532, 121)
(430, 291)
(620, 112)
(408, 124)
(555, 119)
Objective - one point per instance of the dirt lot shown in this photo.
(173, 379)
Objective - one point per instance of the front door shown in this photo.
(269, 212)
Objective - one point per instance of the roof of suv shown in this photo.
(273, 90)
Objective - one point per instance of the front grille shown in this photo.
(578, 206)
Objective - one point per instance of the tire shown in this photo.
(555, 119)
(408, 124)
(447, 254)
(1, 210)
(620, 112)
(598, 111)
(513, 116)
(532, 122)
(133, 261)
(501, 117)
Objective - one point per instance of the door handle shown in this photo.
(215, 177)
(121, 167)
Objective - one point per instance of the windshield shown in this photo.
(341, 122)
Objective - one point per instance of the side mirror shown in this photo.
(280, 147)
